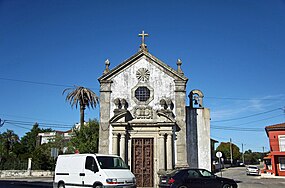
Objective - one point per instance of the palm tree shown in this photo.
(82, 96)
(9, 138)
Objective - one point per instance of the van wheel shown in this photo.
(98, 186)
(61, 185)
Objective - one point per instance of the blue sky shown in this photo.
(232, 50)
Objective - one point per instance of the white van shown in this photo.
(92, 170)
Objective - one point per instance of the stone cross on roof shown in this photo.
(143, 45)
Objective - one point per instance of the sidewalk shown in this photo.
(271, 176)
(28, 179)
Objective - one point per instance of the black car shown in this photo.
(194, 178)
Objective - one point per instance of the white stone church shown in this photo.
(145, 120)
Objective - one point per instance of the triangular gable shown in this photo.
(168, 70)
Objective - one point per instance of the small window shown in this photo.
(281, 142)
(193, 174)
(282, 163)
(111, 162)
(142, 94)
(205, 173)
(90, 163)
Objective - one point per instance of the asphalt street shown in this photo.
(238, 174)
(26, 183)
(245, 181)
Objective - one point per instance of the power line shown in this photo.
(40, 123)
(245, 99)
(238, 125)
(24, 124)
(33, 82)
(32, 118)
(40, 83)
(233, 119)
(2, 122)
(65, 85)
(19, 126)
(46, 126)
(237, 129)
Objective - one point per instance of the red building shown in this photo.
(274, 162)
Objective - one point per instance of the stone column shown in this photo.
(129, 146)
(169, 152)
(180, 112)
(115, 143)
(105, 97)
(123, 146)
(161, 152)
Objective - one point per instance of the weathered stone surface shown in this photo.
(145, 98)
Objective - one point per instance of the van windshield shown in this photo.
(108, 162)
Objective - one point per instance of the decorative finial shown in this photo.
(143, 45)
(107, 63)
(179, 63)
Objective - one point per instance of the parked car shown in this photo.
(194, 178)
(252, 170)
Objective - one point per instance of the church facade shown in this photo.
(145, 120)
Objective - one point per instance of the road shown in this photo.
(26, 183)
(245, 181)
(237, 174)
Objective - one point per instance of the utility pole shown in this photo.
(231, 152)
(262, 153)
(242, 153)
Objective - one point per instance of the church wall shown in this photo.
(192, 140)
(123, 83)
(203, 130)
(163, 87)
(198, 138)
(125, 120)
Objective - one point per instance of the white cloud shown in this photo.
(228, 109)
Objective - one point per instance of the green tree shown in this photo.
(2, 145)
(85, 140)
(9, 140)
(82, 96)
(58, 142)
(41, 158)
(2, 149)
(29, 141)
(252, 157)
(224, 147)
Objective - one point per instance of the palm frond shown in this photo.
(81, 96)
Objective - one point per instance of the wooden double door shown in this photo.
(142, 161)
